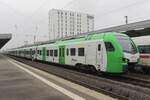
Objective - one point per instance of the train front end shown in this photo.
(130, 51)
(115, 55)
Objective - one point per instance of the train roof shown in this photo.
(94, 36)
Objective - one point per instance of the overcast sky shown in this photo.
(24, 18)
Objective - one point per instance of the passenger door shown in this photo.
(99, 59)
(55, 56)
(91, 54)
(112, 61)
(62, 54)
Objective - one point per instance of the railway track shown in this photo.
(114, 88)
(137, 81)
(134, 80)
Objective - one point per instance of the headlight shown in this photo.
(124, 60)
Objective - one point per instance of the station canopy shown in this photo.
(4, 38)
(136, 29)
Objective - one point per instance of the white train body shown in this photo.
(143, 44)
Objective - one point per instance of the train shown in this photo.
(143, 44)
(108, 52)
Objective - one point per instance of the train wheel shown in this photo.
(80, 67)
(92, 68)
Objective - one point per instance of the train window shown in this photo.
(63, 50)
(30, 52)
(40, 52)
(51, 52)
(144, 48)
(27, 52)
(33, 52)
(99, 47)
(59, 51)
(55, 53)
(109, 46)
(47, 53)
(80, 51)
(67, 52)
(72, 51)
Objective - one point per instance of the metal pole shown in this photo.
(36, 29)
(126, 19)
(34, 38)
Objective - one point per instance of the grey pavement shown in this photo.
(15, 84)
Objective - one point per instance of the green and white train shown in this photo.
(108, 52)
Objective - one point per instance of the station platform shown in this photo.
(19, 81)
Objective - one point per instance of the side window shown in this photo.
(67, 52)
(30, 52)
(99, 47)
(63, 50)
(51, 52)
(47, 52)
(80, 51)
(109, 46)
(72, 51)
(144, 49)
(55, 53)
(40, 52)
(59, 51)
(33, 52)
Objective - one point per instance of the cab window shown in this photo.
(109, 46)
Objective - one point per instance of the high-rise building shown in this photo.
(67, 23)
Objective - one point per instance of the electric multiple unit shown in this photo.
(109, 52)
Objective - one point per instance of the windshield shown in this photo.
(127, 44)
